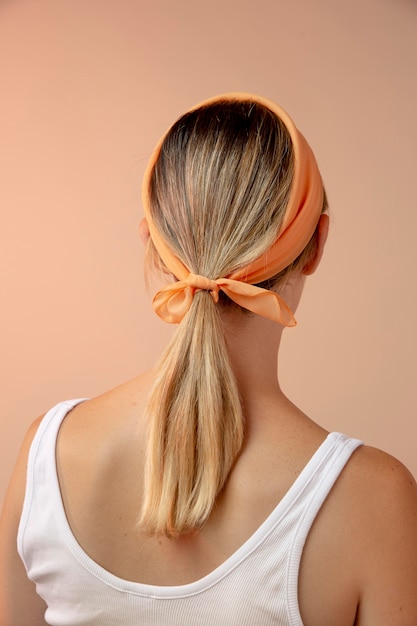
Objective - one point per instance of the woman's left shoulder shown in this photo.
(14, 584)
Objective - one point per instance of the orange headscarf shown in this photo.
(303, 211)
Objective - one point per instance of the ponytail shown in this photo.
(195, 425)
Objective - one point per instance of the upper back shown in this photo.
(100, 467)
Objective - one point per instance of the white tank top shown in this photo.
(257, 585)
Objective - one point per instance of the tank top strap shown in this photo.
(309, 494)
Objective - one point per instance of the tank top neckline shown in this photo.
(56, 417)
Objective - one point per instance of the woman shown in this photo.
(198, 493)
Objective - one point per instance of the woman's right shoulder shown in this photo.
(382, 497)
(363, 544)
(377, 468)
(379, 489)
(379, 480)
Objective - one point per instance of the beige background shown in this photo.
(87, 87)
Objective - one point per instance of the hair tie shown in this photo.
(302, 214)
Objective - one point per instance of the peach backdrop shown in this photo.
(88, 86)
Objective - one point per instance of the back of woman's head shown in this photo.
(220, 185)
(218, 195)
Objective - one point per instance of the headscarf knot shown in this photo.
(201, 283)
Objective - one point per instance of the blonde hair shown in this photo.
(218, 193)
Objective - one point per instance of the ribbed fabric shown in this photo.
(257, 585)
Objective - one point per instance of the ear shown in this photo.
(144, 230)
(322, 232)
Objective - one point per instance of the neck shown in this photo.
(253, 344)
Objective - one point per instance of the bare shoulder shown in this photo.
(381, 480)
(384, 517)
(381, 494)
(14, 584)
(360, 558)
(122, 401)
(377, 461)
